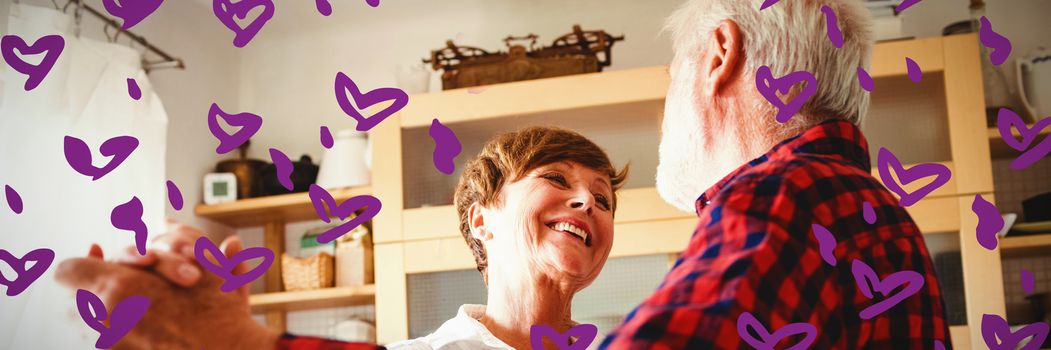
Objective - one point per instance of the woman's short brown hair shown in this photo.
(509, 156)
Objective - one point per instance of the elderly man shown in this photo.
(753, 266)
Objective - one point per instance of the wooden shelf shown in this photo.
(313, 299)
(1029, 245)
(258, 211)
(961, 337)
(999, 149)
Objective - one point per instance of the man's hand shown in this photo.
(192, 317)
(170, 255)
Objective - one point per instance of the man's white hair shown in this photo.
(790, 36)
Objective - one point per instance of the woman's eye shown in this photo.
(561, 180)
(602, 201)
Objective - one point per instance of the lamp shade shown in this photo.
(344, 164)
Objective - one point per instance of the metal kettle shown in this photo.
(1034, 82)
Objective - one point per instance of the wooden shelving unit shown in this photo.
(1000, 150)
(272, 213)
(1015, 246)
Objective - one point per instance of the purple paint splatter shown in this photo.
(826, 243)
(865, 80)
(14, 200)
(373, 3)
(769, 87)
(174, 196)
(225, 11)
(321, 198)
(323, 7)
(868, 213)
(767, 340)
(225, 266)
(78, 154)
(24, 277)
(989, 222)
(939, 345)
(905, 4)
(1000, 44)
(1027, 281)
(832, 26)
(998, 336)
(133, 89)
(768, 3)
(128, 216)
(1005, 120)
(132, 12)
(50, 45)
(363, 100)
(915, 73)
(326, 137)
(446, 147)
(249, 123)
(584, 334)
(887, 161)
(284, 168)
(126, 314)
(868, 282)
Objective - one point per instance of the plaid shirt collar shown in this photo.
(837, 139)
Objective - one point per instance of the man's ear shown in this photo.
(476, 220)
(724, 56)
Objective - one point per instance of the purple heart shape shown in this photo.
(826, 243)
(323, 7)
(363, 101)
(864, 276)
(321, 198)
(284, 168)
(1000, 44)
(14, 200)
(51, 44)
(132, 11)
(126, 314)
(766, 340)
(226, 266)
(990, 222)
(832, 26)
(225, 11)
(769, 87)
(446, 147)
(1005, 120)
(905, 4)
(128, 216)
(885, 161)
(249, 123)
(78, 154)
(24, 277)
(133, 89)
(994, 326)
(585, 334)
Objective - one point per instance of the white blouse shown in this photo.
(462, 332)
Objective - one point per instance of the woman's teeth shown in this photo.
(567, 227)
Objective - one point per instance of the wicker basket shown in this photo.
(315, 272)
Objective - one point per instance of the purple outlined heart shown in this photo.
(904, 5)
(24, 277)
(994, 327)
(1000, 44)
(249, 123)
(365, 100)
(865, 80)
(14, 200)
(446, 147)
(584, 333)
(78, 154)
(133, 89)
(284, 168)
(769, 87)
(50, 45)
(826, 243)
(868, 282)
(131, 11)
(225, 266)
(125, 315)
(320, 198)
(990, 222)
(323, 7)
(885, 161)
(767, 340)
(832, 26)
(225, 11)
(174, 195)
(868, 213)
(1005, 120)
(128, 217)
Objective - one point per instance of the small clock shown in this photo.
(220, 188)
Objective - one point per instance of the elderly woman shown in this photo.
(535, 206)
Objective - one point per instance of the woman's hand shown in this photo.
(170, 255)
(193, 317)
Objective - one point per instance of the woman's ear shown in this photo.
(476, 220)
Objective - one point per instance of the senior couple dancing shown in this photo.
(536, 208)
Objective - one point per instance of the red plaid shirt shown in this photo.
(754, 251)
(291, 342)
